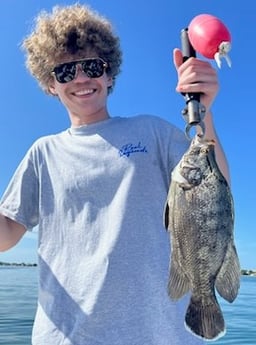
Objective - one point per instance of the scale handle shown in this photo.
(187, 52)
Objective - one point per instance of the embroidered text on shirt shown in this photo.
(127, 149)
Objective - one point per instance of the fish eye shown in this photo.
(204, 150)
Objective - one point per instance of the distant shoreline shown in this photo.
(16, 264)
(244, 272)
(248, 273)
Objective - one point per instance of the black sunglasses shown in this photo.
(67, 71)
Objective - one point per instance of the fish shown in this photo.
(199, 216)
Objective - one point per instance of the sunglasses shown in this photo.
(67, 71)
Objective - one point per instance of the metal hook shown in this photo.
(199, 134)
(194, 114)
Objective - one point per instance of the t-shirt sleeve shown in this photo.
(20, 200)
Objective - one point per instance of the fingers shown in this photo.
(193, 71)
(195, 75)
(177, 58)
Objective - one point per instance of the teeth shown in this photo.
(84, 92)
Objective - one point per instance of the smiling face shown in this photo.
(84, 98)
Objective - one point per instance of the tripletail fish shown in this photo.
(199, 216)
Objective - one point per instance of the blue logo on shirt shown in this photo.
(128, 149)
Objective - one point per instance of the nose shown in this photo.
(80, 74)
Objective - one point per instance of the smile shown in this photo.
(84, 92)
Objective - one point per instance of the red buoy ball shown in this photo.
(206, 33)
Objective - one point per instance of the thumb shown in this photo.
(177, 58)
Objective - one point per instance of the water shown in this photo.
(240, 316)
(18, 294)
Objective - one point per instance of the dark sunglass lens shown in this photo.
(94, 68)
(65, 72)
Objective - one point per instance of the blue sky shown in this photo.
(149, 31)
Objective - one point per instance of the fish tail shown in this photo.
(205, 319)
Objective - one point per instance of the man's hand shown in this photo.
(195, 75)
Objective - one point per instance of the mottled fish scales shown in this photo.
(199, 215)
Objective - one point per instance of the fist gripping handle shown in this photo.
(194, 111)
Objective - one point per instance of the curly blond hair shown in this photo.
(71, 30)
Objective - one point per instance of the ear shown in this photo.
(51, 88)
(109, 81)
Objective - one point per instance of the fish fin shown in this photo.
(205, 320)
(178, 284)
(228, 279)
(166, 215)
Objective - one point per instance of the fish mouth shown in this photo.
(208, 146)
(199, 140)
(188, 173)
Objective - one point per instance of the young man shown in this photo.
(97, 193)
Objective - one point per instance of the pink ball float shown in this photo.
(210, 37)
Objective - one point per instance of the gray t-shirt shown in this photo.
(97, 194)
